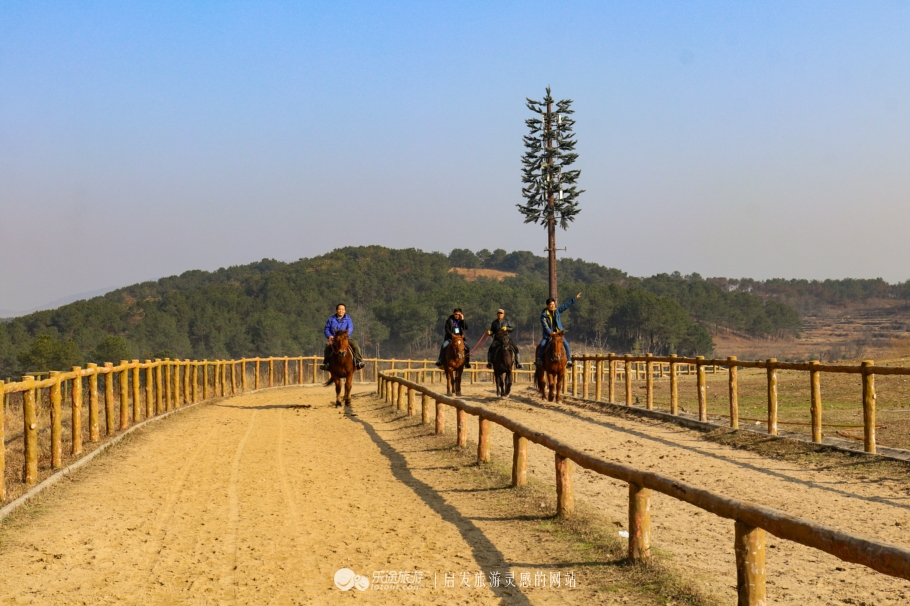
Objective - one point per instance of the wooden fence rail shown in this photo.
(751, 520)
(605, 368)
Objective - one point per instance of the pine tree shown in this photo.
(549, 188)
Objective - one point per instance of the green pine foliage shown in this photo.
(550, 150)
(399, 300)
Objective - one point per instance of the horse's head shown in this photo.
(340, 342)
(557, 344)
(502, 335)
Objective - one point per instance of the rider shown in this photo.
(499, 323)
(455, 325)
(551, 322)
(340, 321)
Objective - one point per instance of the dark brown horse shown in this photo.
(341, 366)
(553, 372)
(453, 365)
(503, 360)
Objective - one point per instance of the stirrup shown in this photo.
(323, 367)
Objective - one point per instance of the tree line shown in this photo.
(399, 300)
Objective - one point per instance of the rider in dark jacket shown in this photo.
(499, 323)
(455, 325)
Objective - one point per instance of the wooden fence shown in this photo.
(605, 370)
(751, 521)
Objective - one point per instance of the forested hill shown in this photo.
(399, 300)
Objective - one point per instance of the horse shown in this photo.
(503, 361)
(552, 373)
(341, 366)
(453, 364)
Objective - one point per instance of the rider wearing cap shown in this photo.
(498, 324)
(551, 322)
(455, 325)
(340, 321)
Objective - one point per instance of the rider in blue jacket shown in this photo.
(550, 321)
(340, 321)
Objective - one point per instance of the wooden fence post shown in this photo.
(772, 397)
(519, 460)
(137, 406)
(598, 379)
(649, 382)
(574, 378)
(749, 545)
(611, 379)
(628, 371)
(56, 422)
(187, 376)
(868, 406)
(376, 368)
(149, 389)
(702, 388)
(109, 398)
(425, 409)
(315, 368)
(286, 371)
(124, 380)
(639, 523)
(565, 495)
(402, 393)
(734, 392)
(816, 404)
(76, 407)
(168, 388)
(271, 372)
(461, 422)
(440, 419)
(2, 443)
(194, 387)
(158, 386)
(410, 402)
(29, 433)
(94, 431)
(584, 378)
(674, 386)
(483, 440)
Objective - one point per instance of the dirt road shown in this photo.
(260, 499)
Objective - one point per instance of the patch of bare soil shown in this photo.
(837, 492)
(471, 274)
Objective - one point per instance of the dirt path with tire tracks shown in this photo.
(260, 499)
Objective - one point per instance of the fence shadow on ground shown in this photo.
(481, 546)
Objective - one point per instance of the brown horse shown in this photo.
(341, 366)
(453, 364)
(503, 361)
(553, 372)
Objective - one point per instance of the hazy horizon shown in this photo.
(761, 141)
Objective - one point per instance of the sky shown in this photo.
(738, 139)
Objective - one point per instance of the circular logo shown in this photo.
(345, 579)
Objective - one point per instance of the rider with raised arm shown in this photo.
(550, 321)
(340, 321)
(498, 324)
(455, 325)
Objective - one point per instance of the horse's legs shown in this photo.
(347, 389)
(338, 392)
(448, 382)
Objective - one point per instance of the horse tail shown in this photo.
(330, 381)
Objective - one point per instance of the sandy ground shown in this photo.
(260, 499)
(699, 544)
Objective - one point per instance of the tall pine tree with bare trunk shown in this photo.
(549, 187)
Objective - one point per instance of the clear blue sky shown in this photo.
(139, 140)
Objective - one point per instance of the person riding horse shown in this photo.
(498, 324)
(455, 325)
(550, 321)
(340, 321)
